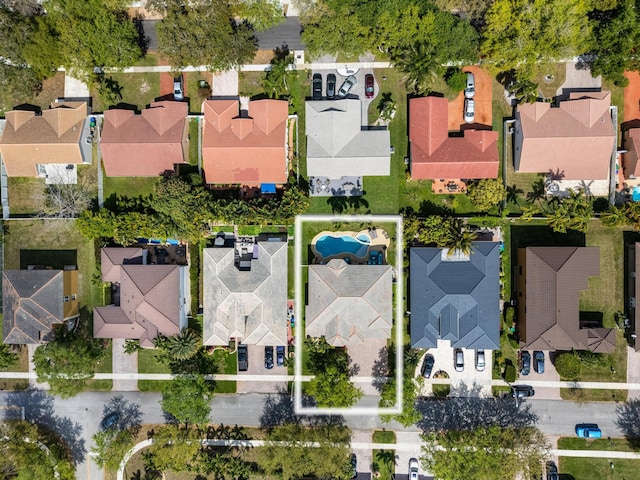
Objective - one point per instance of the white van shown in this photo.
(470, 89)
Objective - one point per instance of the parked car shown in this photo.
(470, 88)
(354, 465)
(552, 471)
(268, 357)
(317, 86)
(522, 391)
(427, 365)
(243, 358)
(469, 110)
(178, 88)
(368, 85)
(110, 421)
(280, 355)
(458, 359)
(526, 363)
(480, 360)
(413, 469)
(331, 85)
(538, 361)
(588, 430)
(347, 85)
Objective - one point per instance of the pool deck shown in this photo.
(379, 241)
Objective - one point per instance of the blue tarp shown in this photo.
(636, 194)
(268, 188)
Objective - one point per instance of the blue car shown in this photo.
(588, 430)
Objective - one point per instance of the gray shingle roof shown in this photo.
(349, 303)
(32, 304)
(455, 298)
(250, 305)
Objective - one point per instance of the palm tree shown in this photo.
(615, 217)
(512, 193)
(458, 238)
(538, 192)
(183, 347)
(416, 61)
(559, 220)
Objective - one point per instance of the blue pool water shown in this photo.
(329, 246)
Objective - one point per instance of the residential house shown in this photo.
(434, 154)
(338, 145)
(34, 145)
(455, 297)
(630, 164)
(245, 293)
(145, 145)
(573, 141)
(549, 282)
(632, 326)
(147, 299)
(349, 304)
(34, 301)
(245, 147)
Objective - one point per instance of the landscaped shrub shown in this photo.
(456, 79)
(509, 372)
(568, 365)
(590, 359)
(441, 391)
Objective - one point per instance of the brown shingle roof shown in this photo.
(574, 140)
(436, 155)
(53, 137)
(32, 304)
(145, 145)
(149, 299)
(630, 159)
(554, 278)
(245, 150)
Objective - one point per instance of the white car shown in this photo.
(469, 110)
(347, 85)
(470, 88)
(178, 88)
(413, 469)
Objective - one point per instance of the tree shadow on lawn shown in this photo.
(469, 410)
(629, 421)
(38, 409)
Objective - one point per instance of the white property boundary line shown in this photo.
(398, 317)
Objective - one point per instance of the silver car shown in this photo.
(470, 88)
(469, 110)
(480, 362)
(347, 85)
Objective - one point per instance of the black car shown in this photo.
(538, 362)
(243, 358)
(331, 85)
(526, 363)
(317, 86)
(354, 465)
(268, 357)
(427, 365)
(522, 391)
(109, 421)
(280, 355)
(552, 471)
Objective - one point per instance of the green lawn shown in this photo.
(580, 468)
(609, 444)
(132, 187)
(384, 460)
(559, 72)
(384, 436)
(137, 89)
(105, 366)
(250, 83)
(52, 88)
(26, 195)
(193, 142)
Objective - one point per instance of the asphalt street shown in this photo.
(78, 418)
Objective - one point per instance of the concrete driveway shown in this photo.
(550, 374)
(256, 367)
(357, 90)
(370, 359)
(443, 360)
(579, 80)
(633, 370)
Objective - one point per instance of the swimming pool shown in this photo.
(331, 245)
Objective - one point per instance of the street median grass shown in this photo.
(384, 436)
(384, 462)
(609, 444)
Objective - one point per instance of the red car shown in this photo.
(368, 85)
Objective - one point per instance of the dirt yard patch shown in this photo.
(482, 98)
(632, 97)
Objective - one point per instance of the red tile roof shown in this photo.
(575, 140)
(434, 154)
(144, 145)
(247, 150)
